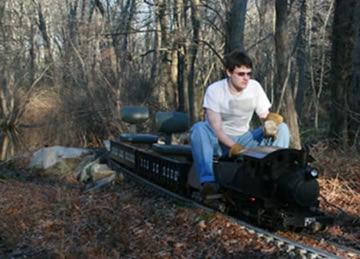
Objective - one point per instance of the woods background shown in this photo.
(67, 67)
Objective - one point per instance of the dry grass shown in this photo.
(340, 178)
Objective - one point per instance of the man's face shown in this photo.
(239, 78)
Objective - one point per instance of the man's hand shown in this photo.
(235, 150)
(271, 123)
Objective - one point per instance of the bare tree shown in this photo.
(236, 25)
(95, 56)
(342, 69)
(163, 87)
(355, 84)
(193, 49)
(283, 62)
(2, 9)
(17, 86)
(301, 58)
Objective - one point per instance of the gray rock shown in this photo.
(49, 156)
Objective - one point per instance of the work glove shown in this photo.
(270, 125)
(235, 150)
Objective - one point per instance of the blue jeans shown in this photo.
(205, 145)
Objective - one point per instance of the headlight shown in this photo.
(314, 173)
(311, 173)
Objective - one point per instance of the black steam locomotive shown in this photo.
(271, 187)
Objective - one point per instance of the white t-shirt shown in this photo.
(236, 110)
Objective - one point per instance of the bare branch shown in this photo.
(214, 50)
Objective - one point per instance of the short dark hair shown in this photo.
(237, 58)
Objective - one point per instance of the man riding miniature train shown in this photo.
(229, 106)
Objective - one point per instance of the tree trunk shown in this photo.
(342, 40)
(2, 9)
(317, 93)
(282, 59)
(355, 85)
(236, 25)
(163, 88)
(180, 46)
(120, 44)
(44, 33)
(195, 16)
(4, 147)
(300, 59)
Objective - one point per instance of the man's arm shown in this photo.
(264, 115)
(215, 122)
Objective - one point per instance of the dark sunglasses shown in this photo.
(244, 73)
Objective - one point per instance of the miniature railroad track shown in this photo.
(348, 251)
(292, 248)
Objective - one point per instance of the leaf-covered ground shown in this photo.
(43, 219)
(45, 216)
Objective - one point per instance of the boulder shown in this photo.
(49, 156)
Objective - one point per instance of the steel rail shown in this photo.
(353, 252)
